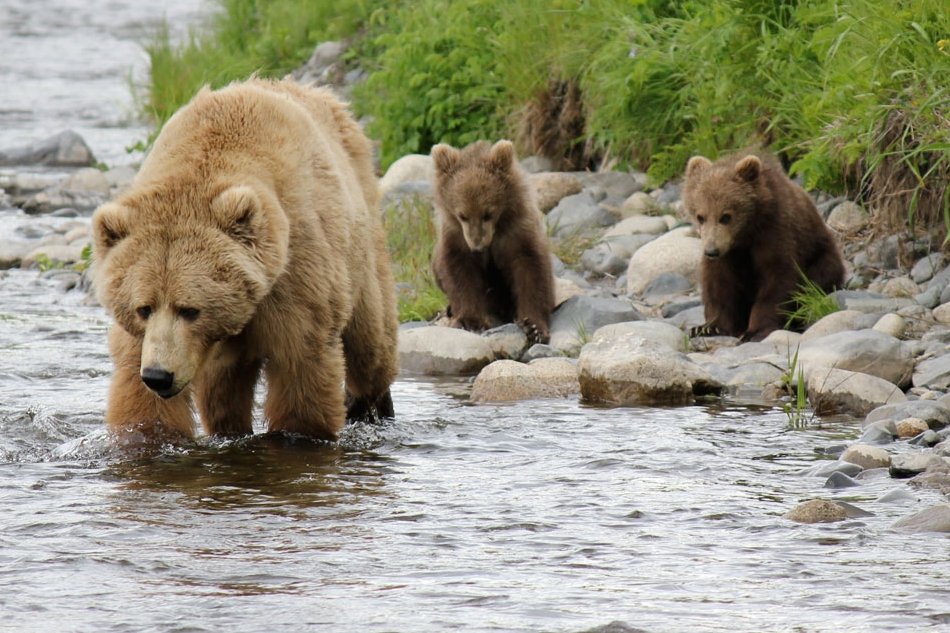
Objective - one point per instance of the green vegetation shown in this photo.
(793, 382)
(411, 236)
(811, 304)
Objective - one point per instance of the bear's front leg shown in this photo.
(305, 389)
(224, 392)
(135, 413)
(462, 279)
(533, 293)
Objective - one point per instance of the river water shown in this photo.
(539, 516)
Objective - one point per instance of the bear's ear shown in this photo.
(237, 211)
(110, 225)
(748, 168)
(446, 159)
(696, 165)
(502, 156)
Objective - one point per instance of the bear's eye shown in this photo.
(725, 219)
(188, 314)
(144, 312)
(701, 219)
(463, 217)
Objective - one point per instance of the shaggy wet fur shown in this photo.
(249, 241)
(758, 230)
(492, 259)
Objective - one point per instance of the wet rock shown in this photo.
(897, 495)
(927, 439)
(540, 350)
(842, 391)
(578, 213)
(506, 380)
(579, 317)
(881, 432)
(409, 168)
(932, 480)
(552, 187)
(933, 519)
(905, 465)
(65, 149)
(839, 480)
(12, 254)
(934, 413)
(614, 627)
(506, 341)
(675, 251)
(911, 427)
(866, 457)
(817, 511)
(443, 351)
(632, 370)
(656, 331)
(826, 469)
(867, 351)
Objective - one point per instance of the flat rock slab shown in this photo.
(866, 351)
(442, 351)
(841, 391)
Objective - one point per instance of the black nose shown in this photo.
(712, 252)
(159, 381)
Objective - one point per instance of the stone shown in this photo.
(926, 266)
(870, 302)
(56, 254)
(933, 519)
(657, 331)
(639, 203)
(816, 511)
(848, 217)
(891, 324)
(578, 213)
(905, 465)
(615, 184)
(880, 432)
(935, 413)
(665, 285)
(631, 225)
(12, 254)
(565, 289)
(506, 341)
(842, 391)
(866, 456)
(867, 351)
(633, 371)
(675, 251)
(610, 255)
(941, 313)
(839, 480)
(552, 187)
(933, 373)
(540, 350)
(911, 427)
(65, 149)
(840, 321)
(900, 287)
(579, 317)
(442, 351)
(932, 480)
(506, 380)
(89, 180)
(784, 340)
(409, 168)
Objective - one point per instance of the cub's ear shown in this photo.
(237, 211)
(110, 225)
(697, 165)
(445, 158)
(502, 156)
(748, 168)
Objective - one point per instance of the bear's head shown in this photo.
(476, 188)
(721, 199)
(182, 268)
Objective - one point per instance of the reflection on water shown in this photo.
(537, 516)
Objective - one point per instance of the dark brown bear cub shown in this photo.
(760, 232)
(492, 259)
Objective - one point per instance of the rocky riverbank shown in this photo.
(619, 333)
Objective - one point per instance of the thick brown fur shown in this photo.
(492, 259)
(760, 231)
(249, 241)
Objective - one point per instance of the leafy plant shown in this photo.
(811, 303)
(793, 382)
(411, 237)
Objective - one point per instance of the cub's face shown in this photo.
(721, 202)
(477, 221)
(180, 284)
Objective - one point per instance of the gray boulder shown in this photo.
(65, 149)
(867, 351)
(442, 351)
(578, 213)
(843, 391)
(579, 317)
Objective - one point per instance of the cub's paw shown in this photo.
(472, 324)
(535, 332)
(707, 329)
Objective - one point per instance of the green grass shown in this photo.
(811, 303)
(411, 238)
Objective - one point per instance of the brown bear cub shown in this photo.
(760, 232)
(492, 259)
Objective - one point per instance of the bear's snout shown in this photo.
(711, 252)
(160, 381)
